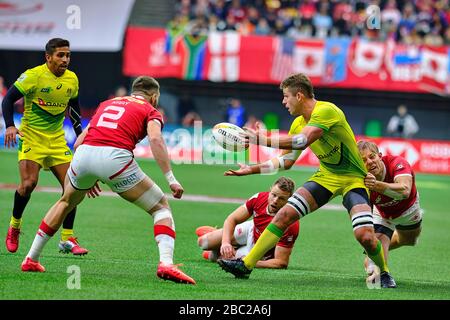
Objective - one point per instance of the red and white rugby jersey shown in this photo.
(121, 122)
(257, 206)
(388, 207)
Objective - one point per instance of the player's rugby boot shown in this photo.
(12, 239)
(72, 246)
(29, 265)
(387, 281)
(172, 273)
(236, 267)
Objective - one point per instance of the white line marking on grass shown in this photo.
(186, 197)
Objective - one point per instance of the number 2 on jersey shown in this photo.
(109, 119)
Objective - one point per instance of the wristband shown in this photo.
(171, 178)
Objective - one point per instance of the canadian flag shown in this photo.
(309, 58)
(435, 64)
(368, 56)
(223, 49)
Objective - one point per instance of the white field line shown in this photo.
(186, 197)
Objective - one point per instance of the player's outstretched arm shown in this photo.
(299, 141)
(398, 190)
(239, 215)
(75, 115)
(283, 162)
(161, 156)
(11, 97)
(280, 260)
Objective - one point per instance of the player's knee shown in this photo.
(163, 216)
(202, 242)
(410, 241)
(27, 187)
(366, 238)
(285, 217)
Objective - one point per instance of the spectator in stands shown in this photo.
(235, 113)
(402, 124)
(121, 91)
(190, 118)
(252, 121)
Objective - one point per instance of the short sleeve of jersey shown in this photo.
(26, 82)
(324, 117)
(250, 203)
(156, 115)
(297, 125)
(400, 166)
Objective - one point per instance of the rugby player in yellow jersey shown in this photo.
(322, 127)
(48, 90)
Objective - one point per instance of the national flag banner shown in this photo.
(339, 63)
(222, 59)
(336, 53)
(368, 57)
(194, 47)
(435, 64)
(309, 58)
(282, 67)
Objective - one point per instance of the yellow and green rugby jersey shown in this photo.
(336, 149)
(46, 97)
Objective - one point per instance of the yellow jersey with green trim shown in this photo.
(336, 149)
(46, 97)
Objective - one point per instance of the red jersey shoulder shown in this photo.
(257, 201)
(396, 165)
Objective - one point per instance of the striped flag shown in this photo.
(282, 59)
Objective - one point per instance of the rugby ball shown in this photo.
(227, 136)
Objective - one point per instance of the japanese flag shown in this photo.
(434, 65)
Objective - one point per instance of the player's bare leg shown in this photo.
(362, 221)
(68, 243)
(50, 224)
(405, 238)
(148, 196)
(29, 176)
(210, 243)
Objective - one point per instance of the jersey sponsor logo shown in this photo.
(130, 180)
(329, 154)
(46, 90)
(26, 150)
(399, 166)
(22, 77)
(51, 104)
(59, 86)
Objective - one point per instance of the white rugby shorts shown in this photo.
(410, 217)
(243, 233)
(114, 166)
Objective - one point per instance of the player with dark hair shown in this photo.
(104, 151)
(322, 127)
(48, 91)
(397, 215)
(239, 234)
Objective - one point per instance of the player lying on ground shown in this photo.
(239, 234)
(47, 90)
(397, 215)
(106, 154)
(323, 128)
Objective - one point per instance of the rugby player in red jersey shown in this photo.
(239, 234)
(397, 215)
(104, 152)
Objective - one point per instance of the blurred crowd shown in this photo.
(411, 22)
